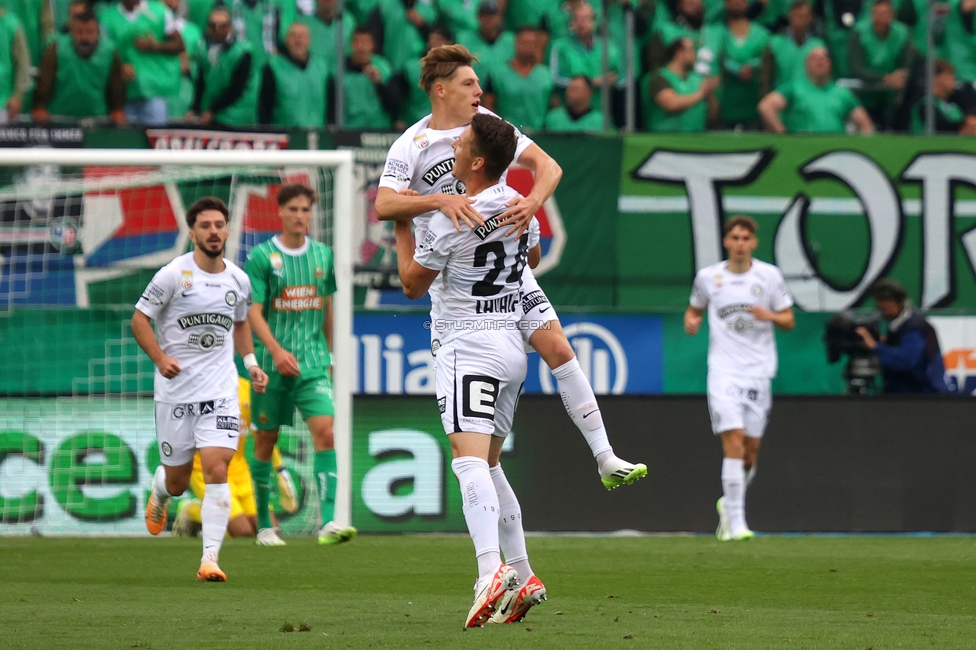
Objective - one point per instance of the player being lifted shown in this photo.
(745, 297)
(199, 302)
(293, 280)
(421, 160)
(480, 366)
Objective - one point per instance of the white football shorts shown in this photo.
(181, 429)
(479, 377)
(739, 403)
(536, 309)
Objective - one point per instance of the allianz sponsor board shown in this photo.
(957, 339)
(619, 355)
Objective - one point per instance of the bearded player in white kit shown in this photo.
(199, 302)
(474, 277)
(418, 180)
(745, 298)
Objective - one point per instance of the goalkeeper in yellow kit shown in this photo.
(243, 510)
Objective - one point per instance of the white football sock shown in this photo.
(580, 403)
(479, 503)
(734, 491)
(159, 486)
(214, 513)
(510, 532)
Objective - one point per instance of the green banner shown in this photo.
(835, 213)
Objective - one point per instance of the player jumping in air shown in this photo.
(199, 302)
(421, 160)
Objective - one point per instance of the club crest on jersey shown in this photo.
(206, 341)
(187, 279)
(421, 141)
(231, 298)
(717, 280)
(276, 263)
(319, 273)
(454, 188)
(439, 170)
(756, 290)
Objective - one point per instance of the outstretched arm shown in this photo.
(395, 206)
(547, 174)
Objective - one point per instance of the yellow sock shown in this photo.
(193, 511)
(276, 461)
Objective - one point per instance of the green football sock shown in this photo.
(326, 479)
(261, 475)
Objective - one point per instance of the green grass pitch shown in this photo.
(414, 592)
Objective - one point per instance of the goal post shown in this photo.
(91, 214)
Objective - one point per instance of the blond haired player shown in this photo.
(243, 511)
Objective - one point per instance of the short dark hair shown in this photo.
(362, 29)
(889, 290)
(797, 4)
(740, 221)
(589, 84)
(206, 203)
(881, 2)
(673, 48)
(942, 66)
(293, 190)
(494, 140)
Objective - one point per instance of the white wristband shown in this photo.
(250, 361)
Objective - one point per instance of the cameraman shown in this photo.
(910, 357)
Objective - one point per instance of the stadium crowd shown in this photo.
(827, 66)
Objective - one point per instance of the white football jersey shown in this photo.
(422, 159)
(481, 270)
(195, 314)
(738, 344)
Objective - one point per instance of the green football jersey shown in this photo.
(292, 286)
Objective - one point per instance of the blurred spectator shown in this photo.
(576, 115)
(786, 55)
(881, 53)
(911, 361)
(75, 9)
(558, 18)
(522, 13)
(771, 14)
(959, 44)
(226, 92)
(520, 90)
(322, 26)
(489, 42)
(294, 84)
(954, 104)
(416, 104)
(815, 104)
(646, 12)
(198, 11)
(362, 10)
(37, 19)
(839, 19)
(581, 53)
(149, 45)
(738, 46)
(14, 66)
(688, 20)
(459, 16)
(80, 76)
(675, 97)
(180, 102)
(371, 100)
(261, 23)
(403, 27)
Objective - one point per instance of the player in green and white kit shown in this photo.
(291, 315)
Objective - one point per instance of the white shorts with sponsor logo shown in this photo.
(739, 403)
(478, 379)
(535, 308)
(181, 429)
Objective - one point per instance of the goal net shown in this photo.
(81, 234)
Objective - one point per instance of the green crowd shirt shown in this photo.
(157, 74)
(522, 100)
(658, 120)
(737, 98)
(816, 109)
(560, 121)
(79, 88)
